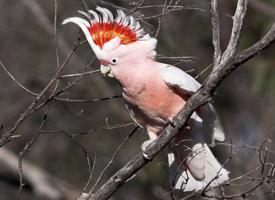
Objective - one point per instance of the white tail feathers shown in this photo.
(203, 170)
(218, 133)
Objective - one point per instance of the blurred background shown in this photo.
(80, 127)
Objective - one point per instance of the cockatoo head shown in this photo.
(116, 41)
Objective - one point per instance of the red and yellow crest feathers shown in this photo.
(104, 32)
(104, 27)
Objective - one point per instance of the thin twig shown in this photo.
(91, 173)
(110, 127)
(8, 135)
(88, 100)
(80, 74)
(112, 159)
(55, 34)
(25, 150)
(85, 196)
(18, 83)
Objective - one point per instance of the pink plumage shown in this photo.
(154, 93)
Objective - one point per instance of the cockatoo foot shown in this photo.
(84, 196)
(144, 147)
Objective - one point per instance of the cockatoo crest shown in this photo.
(106, 32)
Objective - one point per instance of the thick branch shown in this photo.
(235, 33)
(202, 96)
(216, 33)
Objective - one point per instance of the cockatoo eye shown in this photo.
(114, 61)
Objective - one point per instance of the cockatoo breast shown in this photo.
(150, 101)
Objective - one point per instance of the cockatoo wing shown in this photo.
(175, 77)
(195, 166)
(179, 79)
(212, 120)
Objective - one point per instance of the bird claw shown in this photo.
(144, 147)
(145, 144)
(83, 196)
(146, 156)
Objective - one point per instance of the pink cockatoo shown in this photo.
(154, 93)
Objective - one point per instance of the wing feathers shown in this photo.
(175, 77)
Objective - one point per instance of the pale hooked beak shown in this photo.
(106, 70)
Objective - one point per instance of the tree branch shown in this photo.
(235, 33)
(215, 33)
(9, 134)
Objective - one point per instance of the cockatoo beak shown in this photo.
(106, 70)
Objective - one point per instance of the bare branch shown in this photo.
(86, 196)
(55, 34)
(216, 33)
(112, 159)
(8, 135)
(80, 74)
(88, 100)
(25, 150)
(236, 32)
(17, 82)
